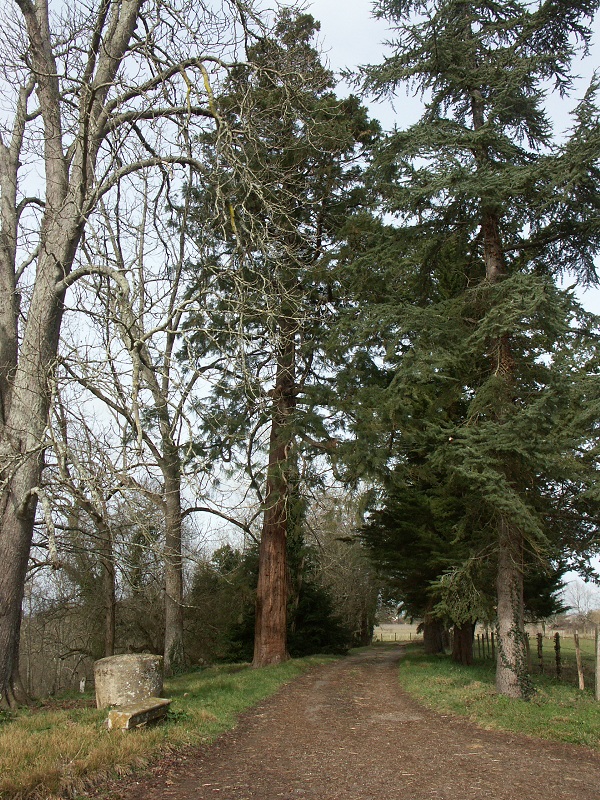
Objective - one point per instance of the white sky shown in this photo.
(351, 37)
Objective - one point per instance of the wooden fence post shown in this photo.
(540, 650)
(557, 651)
(597, 662)
(578, 658)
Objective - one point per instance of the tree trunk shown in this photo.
(108, 590)
(270, 634)
(15, 541)
(512, 675)
(433, 635)
(512, 671)
(174, 653)
(169, 464)
(21, 458)
(462, 643)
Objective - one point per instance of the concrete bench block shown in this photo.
(138, 714)
(127, 679)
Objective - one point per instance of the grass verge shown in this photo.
(51, 752)
(557, 711)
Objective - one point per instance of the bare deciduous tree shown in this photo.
(98, 91)
(131, 364)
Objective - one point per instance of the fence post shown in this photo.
(557, 651)
(578, 659)
(597, 662)
(540, 650)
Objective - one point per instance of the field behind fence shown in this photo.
(552, 654)
(397, 632)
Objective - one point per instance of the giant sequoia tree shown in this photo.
(303, 145)
(493, 210)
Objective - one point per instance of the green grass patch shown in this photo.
(557, 711)
(53, 751)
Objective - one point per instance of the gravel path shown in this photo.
(346, 730)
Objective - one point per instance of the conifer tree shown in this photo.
(492, 210)
(303, 145)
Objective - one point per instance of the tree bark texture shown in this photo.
(462, 643)
(174, 653)
(108, 590)
(270, 635)
(433, 635)
(22, 457)
(512, 671)
(511, 667)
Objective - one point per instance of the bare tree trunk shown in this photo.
(108, 591)
(17, 531)
(174, 653)
(21, 463)
(270, 636)
(512, 674)
(462, 643)
(14, 550)
(433, 635)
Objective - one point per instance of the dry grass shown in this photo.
(51, 753)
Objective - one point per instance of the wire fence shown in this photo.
(568, 657)
(397, 633)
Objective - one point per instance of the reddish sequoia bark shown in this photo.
(270, 636)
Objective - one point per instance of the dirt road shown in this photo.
(348, 731)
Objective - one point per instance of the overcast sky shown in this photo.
(350, 37)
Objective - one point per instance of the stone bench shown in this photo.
(140, 713)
